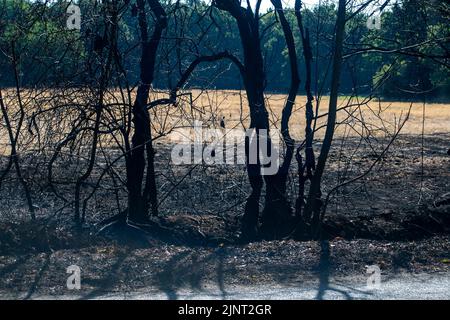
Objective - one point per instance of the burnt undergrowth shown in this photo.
(212, 231)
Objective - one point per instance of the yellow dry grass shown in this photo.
(356, 116)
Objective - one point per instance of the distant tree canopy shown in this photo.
(410, 53)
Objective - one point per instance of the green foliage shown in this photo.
(416, 38)
(35, 41)
(47, 52)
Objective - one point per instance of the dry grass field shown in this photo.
(357, 116)
(377, 114)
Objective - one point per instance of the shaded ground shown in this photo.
(169, 269)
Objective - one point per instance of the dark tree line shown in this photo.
(415, 30)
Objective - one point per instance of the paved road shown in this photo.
(404, 286)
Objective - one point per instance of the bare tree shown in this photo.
(141, 200)
(314, 203)
(254, 82)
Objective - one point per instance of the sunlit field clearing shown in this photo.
(375, 114)
(357, 116)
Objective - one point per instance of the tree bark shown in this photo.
(254, 83)
(140, 201)
(306, 166)
(277, 216)
(313, 204)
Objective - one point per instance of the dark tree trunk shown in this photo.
(314, 203)
(141, 201)
(14, 136)
(307, 165)
(277, 217)
(254, 82)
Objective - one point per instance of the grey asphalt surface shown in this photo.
(403, 287)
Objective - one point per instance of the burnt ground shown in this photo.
(397, 217)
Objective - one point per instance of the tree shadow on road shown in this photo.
(324, 277)
(189, 270)
(107, 283)
(39, 275)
